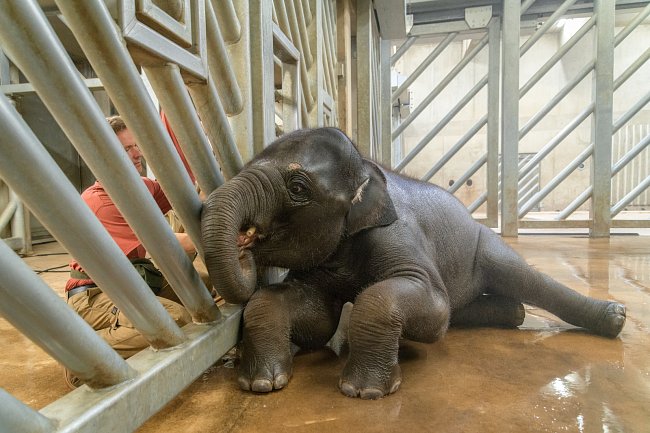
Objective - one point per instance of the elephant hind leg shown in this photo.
(507, 274)
(490, 310)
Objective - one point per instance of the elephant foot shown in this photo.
(370, 388)
(259, 376)
(279, 381)
(612, 320)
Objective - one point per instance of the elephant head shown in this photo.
(293, 204)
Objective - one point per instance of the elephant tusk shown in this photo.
(246, 239)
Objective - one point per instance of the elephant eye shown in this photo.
(298, 188)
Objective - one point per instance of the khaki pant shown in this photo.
(113, 326)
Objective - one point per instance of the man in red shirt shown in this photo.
(81, 292)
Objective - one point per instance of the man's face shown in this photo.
(131, 148)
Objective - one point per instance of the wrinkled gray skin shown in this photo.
(406, 253)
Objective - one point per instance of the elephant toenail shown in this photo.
(348, 389)
(281, 380)
(371, 394)
(620, 309)
(244, 383)
(262, 385)
(395, 387)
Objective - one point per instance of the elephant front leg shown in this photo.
(275, 317)
(382, 314)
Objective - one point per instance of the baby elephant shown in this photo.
(406, 253)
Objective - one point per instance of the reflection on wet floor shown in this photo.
(546, 376)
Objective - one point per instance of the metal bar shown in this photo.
(555, 100)
(38, 313)
(638, 19)
(364, 82)
(423, 66)
(57, 82)
(541, 224)
(283, 19)
(584, 196)
(525, 5)
(16, 417)
(17, 89)
(629, 197)
(330, 43)
(632, 68)
(304, 114)
(331, 27)
(630, 223)
(261, 67)
(242, 124)
(402, 49)
(315, 76)
(289, 56)
(469, 173)
(629, 156)
(297, 41)
(327, 67)
(162, 376)
(601, 168)
(5, 74)
(307, 8)
(112, 63)
(170, 89)
(547, 148)
(528, 191)
(629, 114)
(445, 81)
(283, 48)
(564, 173)
(21, 227)
(215, 122)
(492, 178)
(228, 21)
(302, 30)
(222, 74)
(558, 55)
(455, 148)
(547, 25)
(475, 205)
(443, 122)
(510, 116)
(386, 108)
(9, 211)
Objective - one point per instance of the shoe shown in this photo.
(71, 380)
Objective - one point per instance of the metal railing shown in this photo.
(305, 39)
(515, 208)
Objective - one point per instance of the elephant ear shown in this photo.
(371, 204)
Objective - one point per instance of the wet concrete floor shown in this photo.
(544, 377)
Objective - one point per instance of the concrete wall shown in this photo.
(535, 99)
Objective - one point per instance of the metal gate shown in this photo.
(549, 90)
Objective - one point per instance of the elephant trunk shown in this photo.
(243, 203)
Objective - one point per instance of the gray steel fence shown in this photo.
(526, 71)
